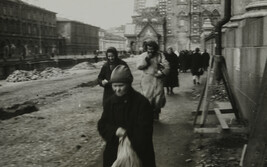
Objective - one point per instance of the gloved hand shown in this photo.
(120, 132)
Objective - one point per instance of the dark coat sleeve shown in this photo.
(102, 75)
(105, 127)
(142, 134)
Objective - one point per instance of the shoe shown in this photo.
(194, 81)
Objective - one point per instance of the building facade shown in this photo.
(79, 38)
(185, 19)
(119, 31)
(244, 43)
(26, 32)
(182, 20)
(107, 40)
(148, 25)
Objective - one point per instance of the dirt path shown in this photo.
(62, 133)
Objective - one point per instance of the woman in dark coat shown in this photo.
(182, 58)
(129, 113)
(104, 76)
(196, 66)
(171, 79)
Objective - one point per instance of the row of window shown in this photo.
(183, 24)
(84, 40)
(198, 1)
(26, 13)
(25, 28)
(84, 29)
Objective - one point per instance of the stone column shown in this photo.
(207, 29)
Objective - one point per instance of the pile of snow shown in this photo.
(21, 75)
(83, 66)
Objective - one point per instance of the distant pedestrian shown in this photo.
(24, 52)
(104, 76)
(96, 53)
(206, 59)
(6, 51)
(155, 67)
(182, 58)
(172, 80)
(127, 113)
(197, 66)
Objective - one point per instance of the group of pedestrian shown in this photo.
(127, 112)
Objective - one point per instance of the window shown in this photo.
(29, 29)
(181, 23)
(181, 2)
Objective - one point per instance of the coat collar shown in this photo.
(125, 98)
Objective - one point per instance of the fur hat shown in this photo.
(121, 74)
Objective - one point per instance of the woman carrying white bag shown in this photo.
(127, 116)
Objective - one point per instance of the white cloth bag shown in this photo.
(126, 156)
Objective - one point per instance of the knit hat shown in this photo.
(121, 74)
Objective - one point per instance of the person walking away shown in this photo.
(171, 79)
(182, 59)
(96, 56)
(104, 76)
(196, 66)
(155, 67)
(206, 59)
(127, 112)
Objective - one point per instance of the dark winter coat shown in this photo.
(105, 73)
(171, 79)
(132, 112)
(182, 58)
(206, 59)
(196, 63)
(151, 85)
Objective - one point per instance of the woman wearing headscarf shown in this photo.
(104, 76)
(171, 79)
(127, 113)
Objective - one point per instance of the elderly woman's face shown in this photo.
(111, 57)
(120, 89)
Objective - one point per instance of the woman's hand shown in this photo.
(104, 82)
(120, 132)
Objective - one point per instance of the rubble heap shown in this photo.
(21, 75)
(83, 66)
(218, 93)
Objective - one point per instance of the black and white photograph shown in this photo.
(133, 83)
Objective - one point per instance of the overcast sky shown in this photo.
(101, 13)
